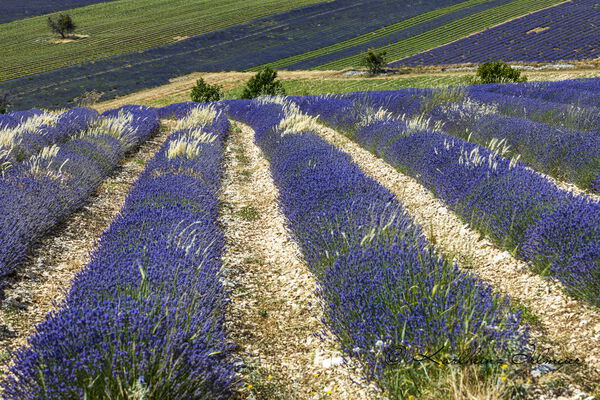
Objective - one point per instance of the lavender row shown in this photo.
(396, 36)
(39, 192)
(387, 295)
(410, 102)
(13, 10)
(145, 318)
(557, 232)
(24, 134)
(474, 115)
(569, 116)
(581, 92)
(564, 32)
(570, 156)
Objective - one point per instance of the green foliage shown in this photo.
(264, 83)
(205, 93)
(123, 27)
(303, 87)
(442, 96)
(62, 25)
(4, 103)
(249, 213)
(498, 72)
(374, 60)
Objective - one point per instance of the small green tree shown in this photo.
(498, 72)
(264, 83)
(5, 102)
(204, 93)
(374, 60)
(62, 25)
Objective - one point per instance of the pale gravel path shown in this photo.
(42, 283)
(270, 315)
(572, 324)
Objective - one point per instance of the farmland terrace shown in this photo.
(116, 60)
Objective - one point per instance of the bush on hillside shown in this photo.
(374, 60)
(498, 72)
(4, 102)
(264, 83)
(205, 93)
(63, 25)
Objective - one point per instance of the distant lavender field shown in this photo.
(259, 41)
(565, 32)
(13, 10)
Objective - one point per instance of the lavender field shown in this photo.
(13, 10)
(418, 243)
(568, 31)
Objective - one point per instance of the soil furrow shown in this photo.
(274, 315)
(571, 325)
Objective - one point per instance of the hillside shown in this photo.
(124, 49)
(567, 31)
(13, 10)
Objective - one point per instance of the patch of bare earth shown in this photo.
(40, 285)
(68, 39)
(571, 326)
(273, 315)
(538, 29)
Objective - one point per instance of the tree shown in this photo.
(264, 83)
(204, 93)
(62, 25)
(4, 102)
(374, 60)
(498, 72)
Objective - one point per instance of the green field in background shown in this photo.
(122, 26)
(450, 32)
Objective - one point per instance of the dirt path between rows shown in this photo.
(273, 315)
(573, 326)
(42, 283)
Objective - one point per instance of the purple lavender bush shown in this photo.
(499, 197)
(8, 121)
(38, 192)
(388, 296)
(145, 318)
(569, 116)
(572, 156)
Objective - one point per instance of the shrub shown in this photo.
(205, 93)
(374, 60)
(498, 72)
(4, 102)
(264, 83)
(62, 25)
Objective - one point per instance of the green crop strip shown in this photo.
(122, 26)
(450, 32)
(303, 87)
(386, 30)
